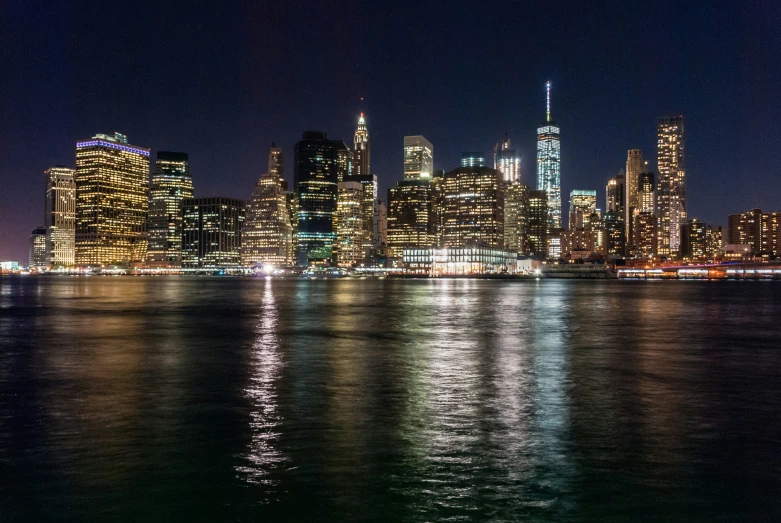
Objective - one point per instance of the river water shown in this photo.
(238, 399)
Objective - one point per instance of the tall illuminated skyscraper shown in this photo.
(418, 158)
(472, 208)
(60, 217)
(507, 162)
(549, 165)
(634, 166)
(353, 239)
(112, 186)
(672, 183)
(267, 234)
(361, 149)
(171, 183)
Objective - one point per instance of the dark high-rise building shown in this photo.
(615, 234)
(38, 248)
(614, 194)
(212, 232)
(549, 165)
(472, 213)
(171, 183)
(361, 149)
(539, 225)
(409, 215)
(112, 201)
(60, 217)
(320, 164)
(672, 183)
(472, 160)
(516, 218)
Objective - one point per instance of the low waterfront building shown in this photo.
(459, 261)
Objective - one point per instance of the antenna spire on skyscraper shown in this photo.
(547, 85)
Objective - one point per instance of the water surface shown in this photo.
(192, 398)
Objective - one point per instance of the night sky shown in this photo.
(222, 80)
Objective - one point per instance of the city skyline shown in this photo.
(227, 136)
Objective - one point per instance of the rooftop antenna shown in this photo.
(547, 85)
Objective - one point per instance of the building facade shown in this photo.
(112, 190)
(549, 165)
(60, 217)
(418, 158)
(212, 232)
(171, 183)
(645, 241)
(671, 183)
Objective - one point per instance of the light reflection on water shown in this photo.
(201, 398)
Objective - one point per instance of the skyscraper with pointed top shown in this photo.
(549, 164)
(362, 151)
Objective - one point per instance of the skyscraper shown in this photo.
(582, 204)
(634, 166)
(472, 159)
(112, 186)
(379, 228)
(539, 226)
(276, 164)
(212, 232)
(361, 149)
(672, 183)
(472, 211)
(60, 217)
(37, 248)
(646, 193)
(516, 218)
(614, 194)
(418, 158)
(353, 239)
(409, 215)
(319, 162)
(267, 234)
(506, 161)
(171, 183)
(549, 165)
